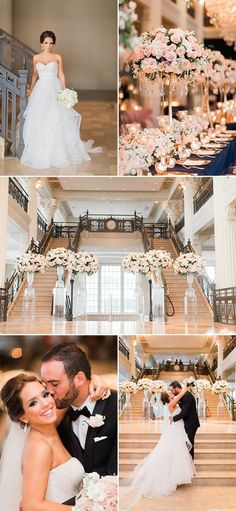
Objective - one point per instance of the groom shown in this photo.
(188, 413)
(66, 371)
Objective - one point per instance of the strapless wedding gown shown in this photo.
(51, 131)
(166, 467)
(64, 481)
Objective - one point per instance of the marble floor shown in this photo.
(50, 326)
(189, 498)
(98, 123)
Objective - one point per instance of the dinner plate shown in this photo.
(193, 163)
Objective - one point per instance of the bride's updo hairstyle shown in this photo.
(10, 394)
(47, 33)
(165, 398)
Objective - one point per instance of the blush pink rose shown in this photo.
(170, 56)
(180, 51)
(175, 38)
(149, 65)
(138, 55)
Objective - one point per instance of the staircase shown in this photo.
(43, 285)
(176, 286)
(215, 453)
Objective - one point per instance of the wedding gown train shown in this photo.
(166, 467)
(51, 131)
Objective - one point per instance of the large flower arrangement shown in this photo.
(31, 263)
(127, 18)
(144, 148)
(97, 493)
(146, 263)
(189, 262)
(58, 257)
(197, 386)
(158, 259)
(145, 384)
(158, 386)
(163, 52)
(82, 262)
(213, 68)
(220, 387)
(127, 387)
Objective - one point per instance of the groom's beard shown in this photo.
(68, 399)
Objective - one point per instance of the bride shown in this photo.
(51, 131)
(37, 472)
(169, 464)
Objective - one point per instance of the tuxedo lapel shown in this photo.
(89, 444)
(74, 444)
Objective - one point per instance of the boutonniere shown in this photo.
(96, 421)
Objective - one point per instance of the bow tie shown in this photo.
(74, 414)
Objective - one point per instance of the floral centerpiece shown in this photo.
(127, 17)
(30, 262)
(140, 150)
(158, 259)
(97, 493)
(189, 262)
(127, 387)
(82, 262)
(67, 98)
(166, 56)
(220, 387)
(58, 257)
(146, 263)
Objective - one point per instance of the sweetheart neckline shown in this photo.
(51, 61)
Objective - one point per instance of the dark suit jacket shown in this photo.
(188, 412)
(98, 456)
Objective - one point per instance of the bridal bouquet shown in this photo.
(58, 257)
(189, 262)
(163, 52)
(220, 387)
(67, 98)
(31, 263)
(82, 262)
(97, 493)
(128, 387)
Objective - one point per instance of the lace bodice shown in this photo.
(64, 481)
(47, 71)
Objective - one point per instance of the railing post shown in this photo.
(214, 302)
(150, 301)
(23, 74)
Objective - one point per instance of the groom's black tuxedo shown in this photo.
(100, 455)
(190, 417)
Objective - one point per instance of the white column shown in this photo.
(225, 236)
(189, 187)
(184, 15)
(220, 347)
(3, 227)
(33, 208)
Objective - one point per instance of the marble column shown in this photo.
(189, 187)
(225, 237)
(33, 209)
(3, 227)
(220, 348)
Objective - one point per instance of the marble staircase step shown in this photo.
(203, 478)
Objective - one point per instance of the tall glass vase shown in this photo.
(82, 294)
(29, 298)
(190, 303)
(220, 405)
(170, 91)
(156, 404)
(146, 404)
(139, 296)
(128, 406)
(205, 102)
(201, 405)
(59, 295)
(158, 295)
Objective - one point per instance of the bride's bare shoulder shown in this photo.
(58, 56)
(38, 446)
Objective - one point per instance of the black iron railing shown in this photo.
(225, 305)
(180, 224)
(176, 366)
(230, 347)
(41, 222)
(18, 193)
(123, 348)
(229, 401)
(203, 195)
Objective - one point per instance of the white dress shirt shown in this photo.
(80, 426)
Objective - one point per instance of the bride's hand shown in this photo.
(98, 388)
(28, 92)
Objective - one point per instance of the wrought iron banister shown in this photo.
(229, 401)
(225, 305)
(203, 195)
(230, 347)
(180, 224)
(14, 54)
(18, 193)
(13, 102)
(124, 349)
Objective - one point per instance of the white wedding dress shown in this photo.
(64, 481)
(51, 131)
(166, 467)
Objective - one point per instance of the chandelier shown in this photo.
(222, 14)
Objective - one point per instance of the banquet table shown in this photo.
(218, 166)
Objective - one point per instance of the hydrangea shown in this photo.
(31, 263)
(220, 387)
(189, 262)
(67, 98)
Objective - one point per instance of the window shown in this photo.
(111, 291)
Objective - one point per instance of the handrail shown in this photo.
(203, 195)
(124, 349)
(230, 347)
(18, 193)
(14, 54)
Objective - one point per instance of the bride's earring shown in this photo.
(25, 427)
